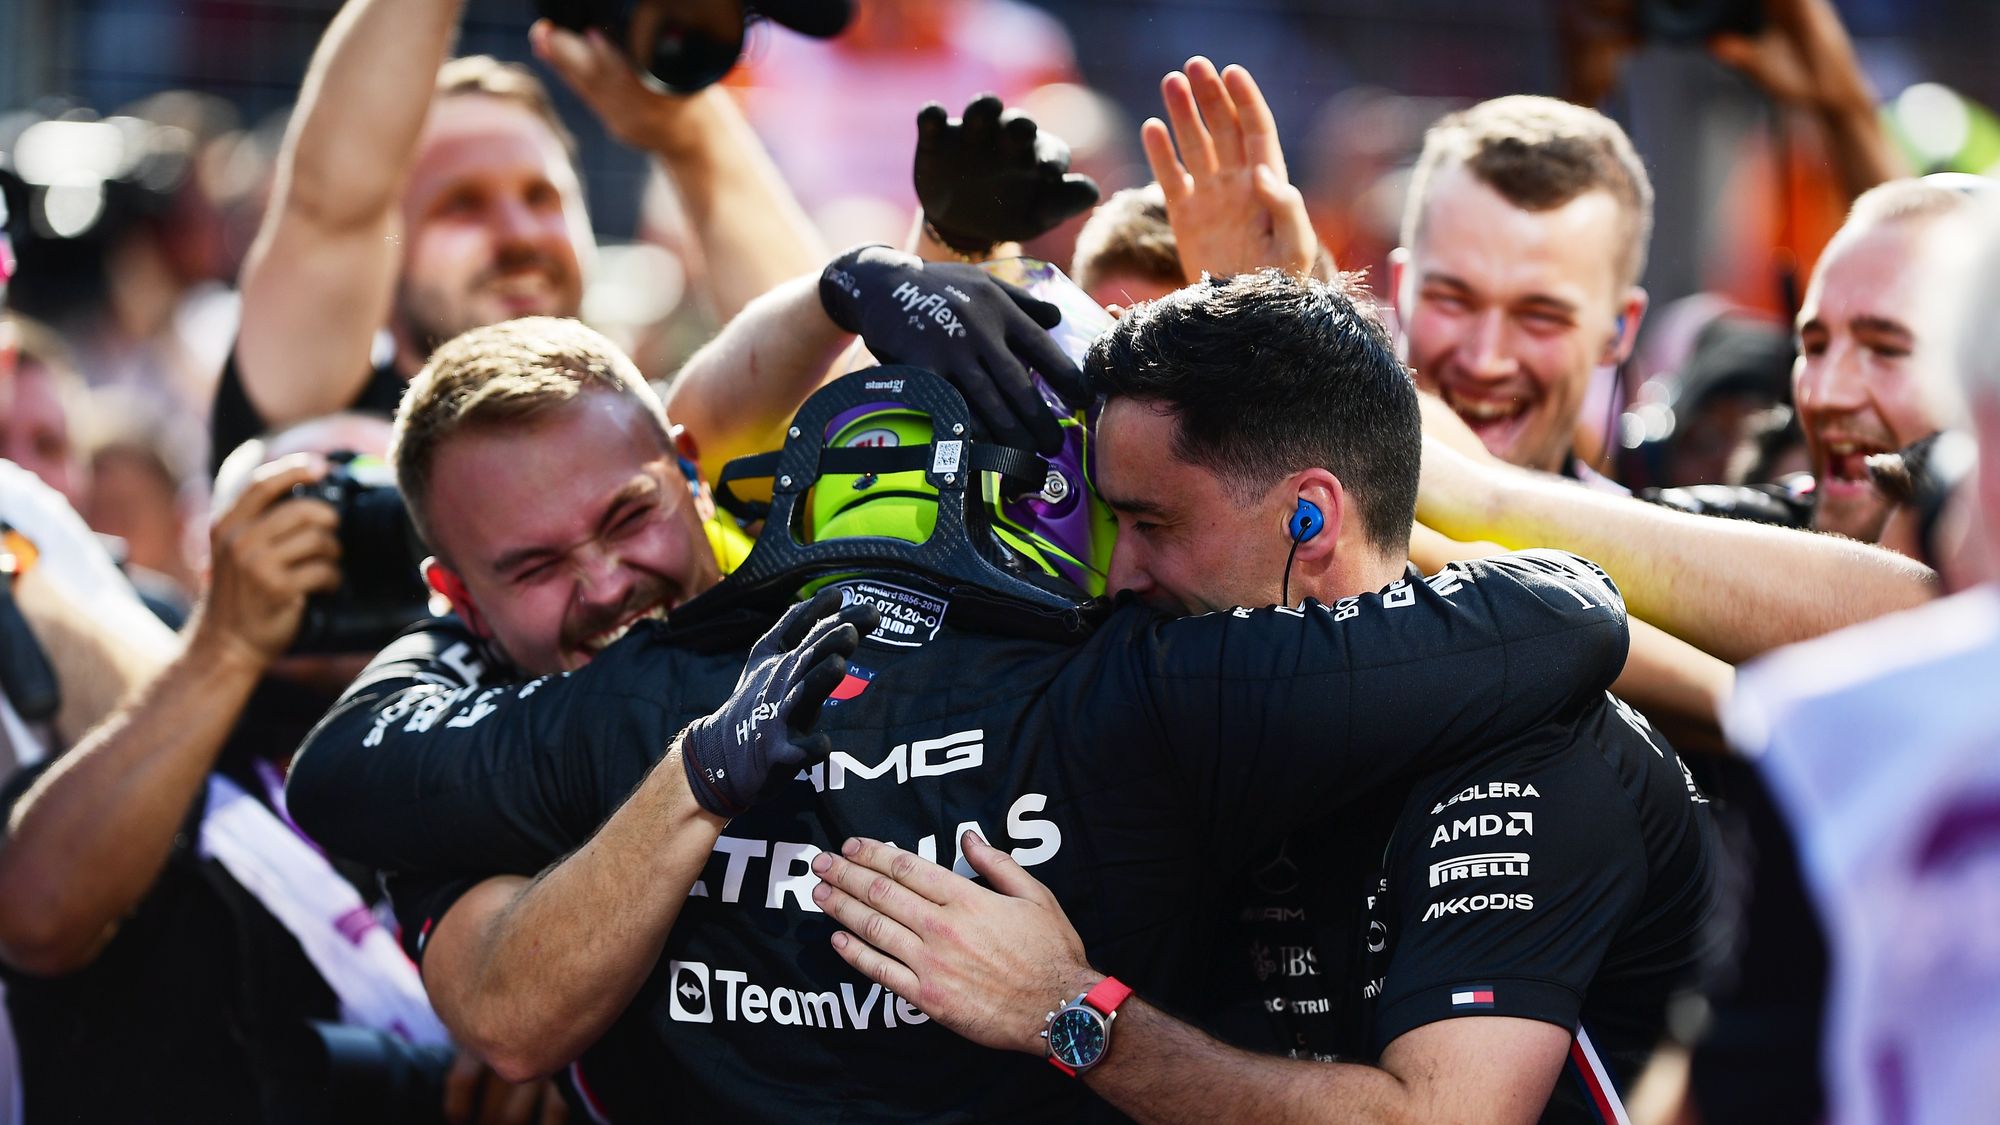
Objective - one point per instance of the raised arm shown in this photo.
(323, 268)
(754, 235)
(738, 394)
(1229, 201)
(1803, 58)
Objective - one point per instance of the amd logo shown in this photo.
(1486, 824)
(925, 757)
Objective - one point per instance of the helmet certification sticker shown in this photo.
(909, 617)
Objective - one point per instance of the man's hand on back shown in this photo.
(763, 734)
(987, 964)
(957, 320)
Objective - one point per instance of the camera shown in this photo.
(381, 562)
(690, 44)
(1692, 21)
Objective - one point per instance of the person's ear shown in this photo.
(1625, 328)
(1313, 513)
(449, 586)
(1399, 269)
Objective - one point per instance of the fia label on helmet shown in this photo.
(909, 617)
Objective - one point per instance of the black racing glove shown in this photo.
(993, 177)
(980, 333)
(763, 735)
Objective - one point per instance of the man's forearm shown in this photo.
(530, 973)
(1163, 1072)
(88, 840)
(324, 264)
(739, 392)
(1732, 588)
(754, 235)
(361, 107)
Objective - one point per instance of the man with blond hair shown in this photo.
(1524, 239)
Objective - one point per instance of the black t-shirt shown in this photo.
(195, 1011)
(1569, 878)
(1135, 773)
(234, 419)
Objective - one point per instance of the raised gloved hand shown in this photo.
(993, 177)
(980, 333)
(763, 735)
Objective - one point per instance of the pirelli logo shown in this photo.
(1478, 867)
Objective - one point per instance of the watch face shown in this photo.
(1076, 1036)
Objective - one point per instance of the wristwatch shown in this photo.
(1079, 1033)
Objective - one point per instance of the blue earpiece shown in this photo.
(692, 472)
(1306, 521)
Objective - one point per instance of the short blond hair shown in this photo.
(1539, 153)
(499, 376)
(1129, 233)
(487, 76)
(1914, 197)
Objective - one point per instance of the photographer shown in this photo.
(169, 938)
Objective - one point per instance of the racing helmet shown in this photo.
(1062, 531)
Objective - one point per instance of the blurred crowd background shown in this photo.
(140, 135)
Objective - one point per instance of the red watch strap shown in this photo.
(1062, 1066)
(1107, 995)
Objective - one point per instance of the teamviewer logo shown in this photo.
(688, 991)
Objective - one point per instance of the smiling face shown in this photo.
(566, 527)
(1864, 342)
(1507, 312)
(493, 225)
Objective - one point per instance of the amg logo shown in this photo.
(1476, 903)
(1274, 914)
(690, 992)
(1487, 791)
(1478, 866)
(925, 757)
(1486, 824)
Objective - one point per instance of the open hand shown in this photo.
(990, 965)
(980, 333)
(1228, 199)
(763, 734)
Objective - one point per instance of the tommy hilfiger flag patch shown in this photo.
(1472, 996)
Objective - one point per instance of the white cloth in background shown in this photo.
(1881, 744)
(377, 985)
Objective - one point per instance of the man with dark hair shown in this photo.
(577, 879)
(1508, 921)
(1330, 396)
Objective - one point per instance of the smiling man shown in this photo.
(1523, 241)
(550, 548)
(1870, 326)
